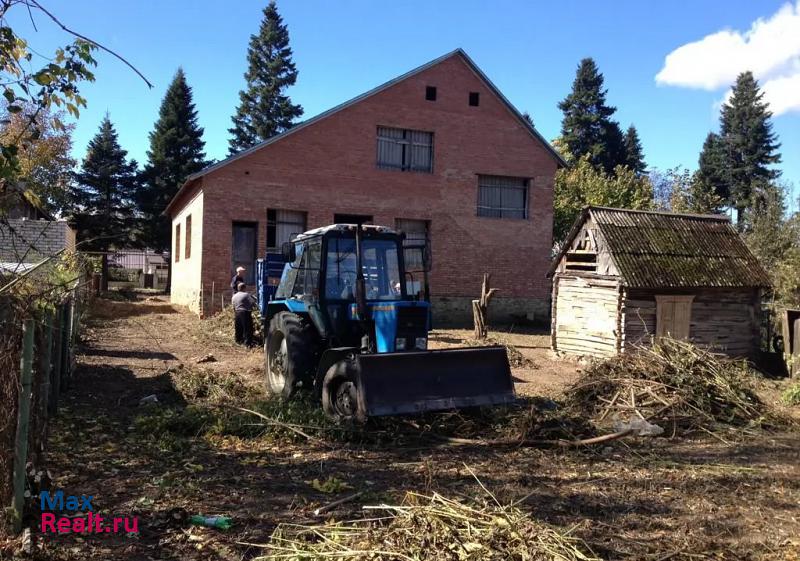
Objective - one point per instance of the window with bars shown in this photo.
(282, 225)
(405, 150)
(502, 197)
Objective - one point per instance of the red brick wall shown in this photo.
(330, 167)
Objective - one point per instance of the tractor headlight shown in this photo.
(421, 343)
(400, 343)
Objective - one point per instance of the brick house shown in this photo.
(437, 152)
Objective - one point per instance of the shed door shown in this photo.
(673, 316)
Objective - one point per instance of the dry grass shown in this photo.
(428, 528)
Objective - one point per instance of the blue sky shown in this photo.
(529, 49)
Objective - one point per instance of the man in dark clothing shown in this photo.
(237, 279)
(243, 304)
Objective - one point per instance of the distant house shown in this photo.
(27, 232)
(438, 153)
(624, 277)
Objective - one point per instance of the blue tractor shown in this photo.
(343, 325)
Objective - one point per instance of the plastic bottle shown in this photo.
(218, 522)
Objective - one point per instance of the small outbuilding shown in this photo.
(624, 278)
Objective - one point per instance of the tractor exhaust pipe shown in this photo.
(361, 288)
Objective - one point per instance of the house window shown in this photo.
(502, 197)
(282, 225)
(243, 250)
(430, 93)
(474, 99)
(177, 242)
(673, 316)
(405, 150)
(417, 232)
(188, 252)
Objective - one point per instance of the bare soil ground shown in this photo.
(637, 498)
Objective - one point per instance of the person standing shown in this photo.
(238, 278)
(243, 304)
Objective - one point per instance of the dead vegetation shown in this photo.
(675, 385)
(430, 528)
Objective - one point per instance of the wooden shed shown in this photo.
(624, 277)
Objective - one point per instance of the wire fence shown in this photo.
(40, 317)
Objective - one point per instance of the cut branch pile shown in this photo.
(675, 385)
(431, 528)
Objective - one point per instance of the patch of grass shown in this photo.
(791, 396)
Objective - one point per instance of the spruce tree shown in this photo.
(750, 145)
(587, 128)
(709, 184)
(103, 194)
(634, 156)
(176, 151)
(264, 109)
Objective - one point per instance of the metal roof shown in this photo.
(457, 52)
(669, 250)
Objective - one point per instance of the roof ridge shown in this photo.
(717, 217)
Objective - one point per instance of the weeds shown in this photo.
(791, 396)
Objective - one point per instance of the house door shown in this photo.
(352, 219)
(673, 316)
(243, 250)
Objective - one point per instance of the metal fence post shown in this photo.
(46, 364)
(66, 355)
(23, 423)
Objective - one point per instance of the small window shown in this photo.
(416, 232)
(177, 242)
(502, 197)
(405, 150)
(673, 316)
(474, 99)
(282, 225)
(430, 93)
(188, 252)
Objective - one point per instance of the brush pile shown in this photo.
(673, 384)
(430, 528)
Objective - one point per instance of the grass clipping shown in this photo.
(673, 384)
(430, 527)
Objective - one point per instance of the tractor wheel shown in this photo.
(340, 394)
(290, 353)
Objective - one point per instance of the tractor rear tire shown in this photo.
(340, 394)
(290, 354)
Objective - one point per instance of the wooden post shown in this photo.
(480, 307)
(55, 377)
(45, 364)
(23, 423)
(66, 365)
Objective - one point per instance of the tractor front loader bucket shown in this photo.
(413, 382)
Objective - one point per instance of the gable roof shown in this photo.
(668, 250)
(457, 52)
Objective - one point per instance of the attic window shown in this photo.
(581, 260)
(474, 99)
(430, 93)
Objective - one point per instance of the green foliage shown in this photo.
(634, 156)
(264, 109)
(678, 190)
(750, 145)
(791, 396)
(55, 83)
(103, 193)
(712, 173)
(176, 151)
(587, 128)
(583, 184)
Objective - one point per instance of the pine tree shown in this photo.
(750, 145)
(176, 151)
(587, 128)
(103, 192)
(634, 156)
(711, 171)
(264, 110)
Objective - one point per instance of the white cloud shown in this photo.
(770, 49)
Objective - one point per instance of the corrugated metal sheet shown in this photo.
(666, 250)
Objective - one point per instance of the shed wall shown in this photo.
(585, 315)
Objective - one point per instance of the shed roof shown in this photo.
(668, 250)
